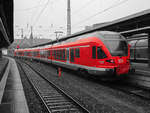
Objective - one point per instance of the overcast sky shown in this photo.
(48, 16)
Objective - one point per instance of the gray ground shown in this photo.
(96, 97)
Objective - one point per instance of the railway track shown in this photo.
(128, 88)
(133, 90)
(54, 98)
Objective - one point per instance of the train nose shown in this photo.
(122, 69)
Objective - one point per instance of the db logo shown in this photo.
(120, 60)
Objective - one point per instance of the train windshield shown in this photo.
(116, 44)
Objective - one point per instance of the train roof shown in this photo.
(79, 34)
(65, 40)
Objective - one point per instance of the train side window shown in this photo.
(94, 52)
(49, 52)
(100, 53)
(72, 55)
(77, 52)
(37, 53)
(59, 54)
(55, 54)
(64, 54)
(45, 53)
(33, 53)
(28, 53)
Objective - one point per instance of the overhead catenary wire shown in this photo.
(75, 26)
(35, 8)
(90, 17)
(37, 18)
(34, 13)
(31, 8)
(45, 6)
(81, 8)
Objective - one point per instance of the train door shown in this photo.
(67, 54)
(71, 55)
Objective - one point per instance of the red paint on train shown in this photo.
(100, 53)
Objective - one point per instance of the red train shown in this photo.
(102, 53)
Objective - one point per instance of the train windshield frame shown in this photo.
(116, 44)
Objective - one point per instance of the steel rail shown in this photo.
(35, 89)
(59, 90)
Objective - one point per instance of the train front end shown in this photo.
(118, 52)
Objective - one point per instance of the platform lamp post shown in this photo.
(68, 18)
(58, 34)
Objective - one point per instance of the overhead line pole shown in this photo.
(68, 18)
(21, 33)
(57, 35)
(31, 36)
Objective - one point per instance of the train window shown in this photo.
(117, 47)
(61, 54)
(42, 53)
(32, 52)
(72, 55)
(58, 54)
(94, 52)
(64, 55)
(55, 54)
(24, 53)
(52, 53)
(48, 53)
(77, 52)
(100, 53)
(37, 53)
(28, 53)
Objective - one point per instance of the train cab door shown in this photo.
(67, 55)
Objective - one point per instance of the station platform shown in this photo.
(141, 68)
(12, 97)
(3, 65)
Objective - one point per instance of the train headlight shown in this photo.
(110, 61)
(128, 60)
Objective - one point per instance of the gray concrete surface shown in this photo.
(13, 100)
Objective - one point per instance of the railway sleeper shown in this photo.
(48, 94)
(59, 103)
(52, 101)
(65, 110)
(56, 98)
(52, 97)
(61, 106)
